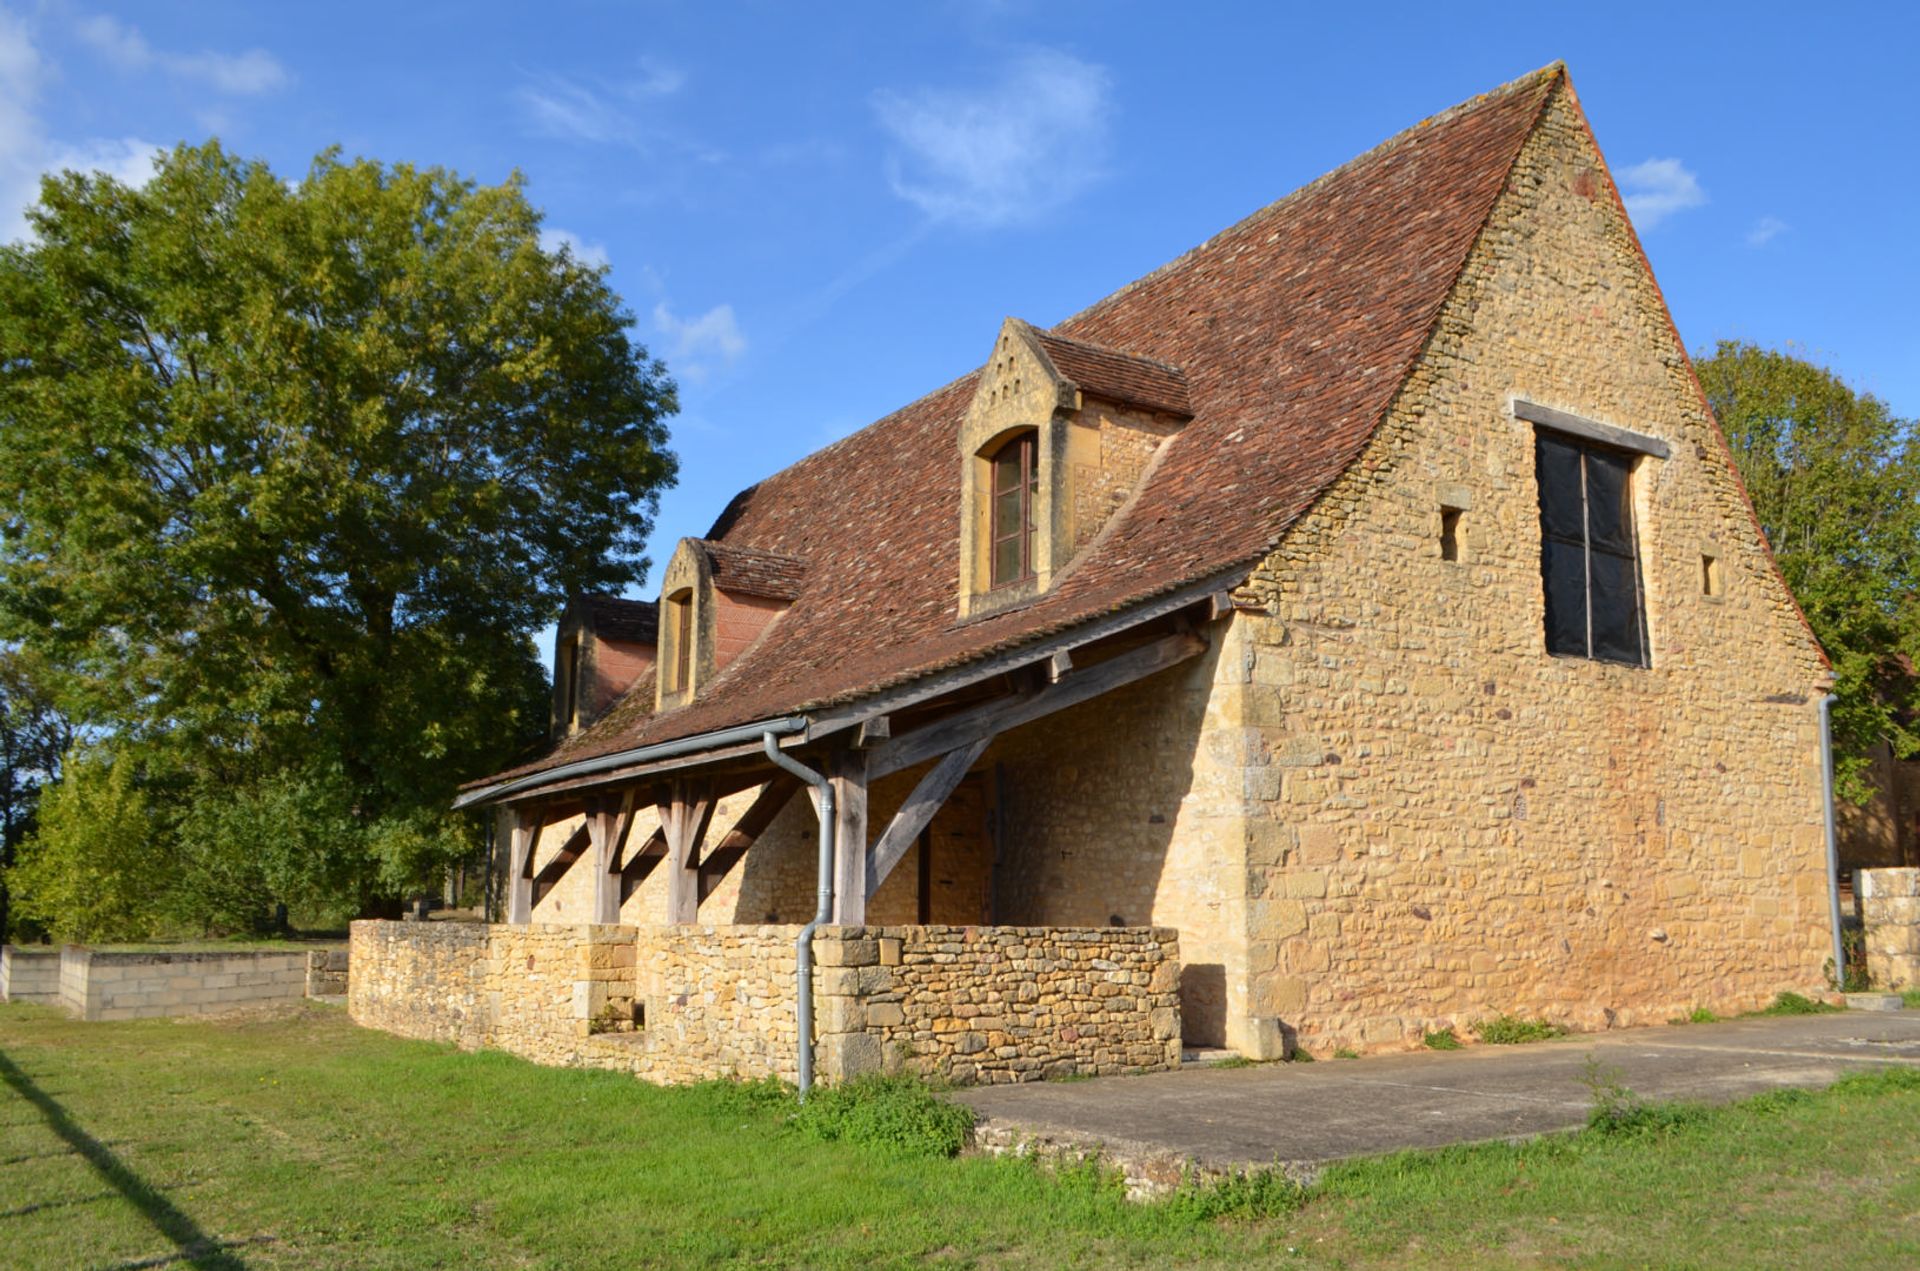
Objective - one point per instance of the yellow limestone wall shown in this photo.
(1454, 824)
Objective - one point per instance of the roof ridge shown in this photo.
(1477, 102)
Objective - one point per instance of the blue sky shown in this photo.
(818, 213)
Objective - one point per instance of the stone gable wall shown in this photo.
(1445, 822)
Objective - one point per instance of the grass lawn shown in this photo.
(300, 1141)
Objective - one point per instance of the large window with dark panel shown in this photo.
(1016, 485)
(1589, 557)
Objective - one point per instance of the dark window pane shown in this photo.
(1609, 503)
(1006, 561)
(1007, 472)
(1558, 468)
(1615, 596)
(1563, 568)
(1006, 513)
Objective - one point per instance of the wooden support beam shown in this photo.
(1059, 666)
(683, 819)
(847, 770)
(917, 812)
(607, 822)
(873, 731)
(1219, 605)
(990, 718)
(525, 825)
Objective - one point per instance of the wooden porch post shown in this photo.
(526, 825)
(607, 821)
(848, 772)
(683, 820)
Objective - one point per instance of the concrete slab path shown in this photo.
(1302, 1116)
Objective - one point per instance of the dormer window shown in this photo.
(718, 600)
(680, 640)
(1016, 489)
(1059, 435)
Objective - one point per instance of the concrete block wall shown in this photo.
(29, 974)
(97, 985)
(1889, 903)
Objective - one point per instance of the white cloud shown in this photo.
(694, 344)
(242, 74)
(1658, 188)
(1010, 151)
(562, 107)
(592, 255)
(1765, 230)
(26, 152)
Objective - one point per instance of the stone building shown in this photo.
(1367, 596)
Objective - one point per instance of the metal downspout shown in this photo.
(1833, 846)
(823, 905)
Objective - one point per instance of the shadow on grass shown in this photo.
(194, 1247)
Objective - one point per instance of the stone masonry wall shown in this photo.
(689, 1003)
(1444, 822)
(29, 975)
(981, 1005)
(420, 979)
(1889, 902)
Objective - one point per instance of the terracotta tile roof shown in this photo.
(617, 618)
(752, 572)
(1117, 376)
(1293, 330)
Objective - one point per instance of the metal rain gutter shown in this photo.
(620, 759)
(1833, 845)
(822, 909)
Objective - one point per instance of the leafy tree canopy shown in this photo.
(289, 472)
(1835, 481)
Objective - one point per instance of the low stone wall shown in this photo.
(327, 973)
(686, 1003)
(1889, 901)
(1004, 1004)
(29, 975)
(99, 985)
(419, 979)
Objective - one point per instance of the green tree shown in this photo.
(34, 737)
(291, 471)
(1835, 481)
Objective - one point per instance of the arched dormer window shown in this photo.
(1016, 490)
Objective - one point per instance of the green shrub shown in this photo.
(898, 1115)
(1698, 1015)
(1346, 1052)
(95, 868)
(1511, 1030)
(1252, 1195)
(1794, 1004)
(1442, 1040)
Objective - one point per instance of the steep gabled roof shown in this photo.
(1291, 332)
